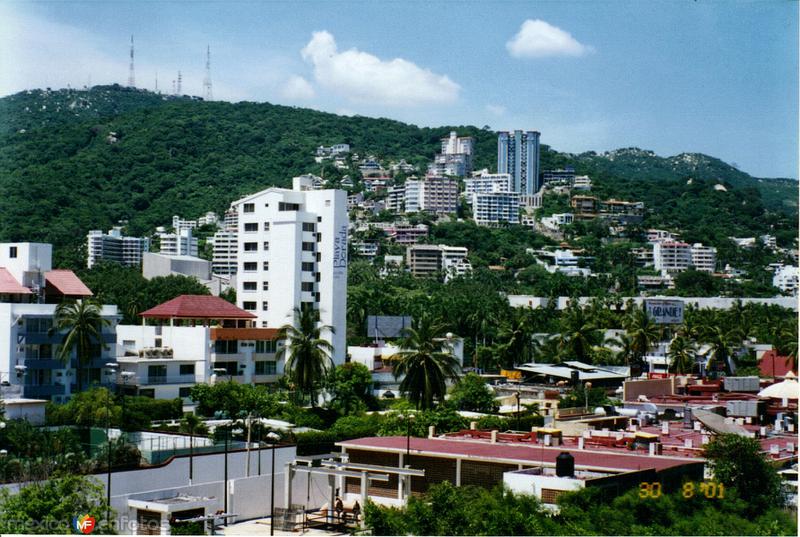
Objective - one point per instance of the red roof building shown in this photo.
(774, 365)
(10, 286)
(66, 284)
(198, 308)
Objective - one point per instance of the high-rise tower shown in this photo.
(518, 155)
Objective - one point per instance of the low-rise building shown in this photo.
(785, 279)
(556, 221)
(181, 243)
(704, 258)
(433, 259)
(194, 339)
(582, 182)
(155, 265)
(487, 182)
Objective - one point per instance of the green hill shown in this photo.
(75, 160)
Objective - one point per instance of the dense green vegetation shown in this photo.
(63, 173)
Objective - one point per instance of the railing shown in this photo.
(153, 380)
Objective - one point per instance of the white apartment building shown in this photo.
(113, 246)
(671, 256)
(655, 235)
(29, 294)
(495, 208)
(437, 195)
(292, 253)
(395, 199)
(194, 339)
(555, 221)
(455, 158)
(179, 224)
(704, 258)
(181, 243)
(769, 241)
(225, 252)
(433, 259)
(785, 279)
(487, 182)
(582, 182)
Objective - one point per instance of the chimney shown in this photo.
(665, 428)
(431, 431)
(473, 425)
(494, 437)
(580, 442)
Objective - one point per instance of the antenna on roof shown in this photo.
(207, 82)
(131, 74)
(180, 92)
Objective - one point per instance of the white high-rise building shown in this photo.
(704, 258)
(182, 243)
(113, 246)
(456, 156)
(487, 182)
(225, 247)
(671, 256)
(518, 155)
(437, 195)
(292, 253)
(494, 208)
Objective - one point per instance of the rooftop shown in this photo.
(196, 307)
(67, 283)
(10, 286)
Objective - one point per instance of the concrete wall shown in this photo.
(154, 265)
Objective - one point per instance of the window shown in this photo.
(249, 306)
(250, 266)
(306, 306)
(266, 226)
(265, 306)
(251, 247)
(264, 324)
(266, 346)
(231, 368)
(319, 237)
(222, 346)
(150, 392)
(327, 203)
(266, 265)
(249, 207)
(266, 245)
(250, 286)
(251, 226)
(38, 325)
(307, 286)
(264, 367)
(187, 369)
(308, 246)
(265, 286)
(156, 373)
(185, 392)
(282, 206)
(309, 226)
(307, 266)
(12, 252)
(159, 342)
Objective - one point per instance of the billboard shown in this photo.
(665, 311)
(387, 326)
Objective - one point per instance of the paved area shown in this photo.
(261, 527)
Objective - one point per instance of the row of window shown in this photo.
(282, 206)
(253, 246)
(266, 346)
(252, 266)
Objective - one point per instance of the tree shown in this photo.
(578, 335)
(472, 393)
(737, 461)
(721, 340)
(47, 507)
(234, 399)
(785, 342)
(681, 353)
(350, 385)
(426, 361)
(643, 332)
(309, 358)
(82, 324)
(695, 283)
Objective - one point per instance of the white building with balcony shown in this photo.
(30, 291)
(671, 256)
(292, 253)
(225, 246)
(495, 208)
(113, 246)
(180, 243)
(487, 182)
(785, 279)
(704, 258)
(194, 339)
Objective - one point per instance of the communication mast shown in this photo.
(180, 92)
(131, 74)
(207, 81)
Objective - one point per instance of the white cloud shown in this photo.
(362, 77)
(298, 88)
(496, 109)
(538, 39)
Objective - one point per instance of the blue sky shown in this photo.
(714, 77)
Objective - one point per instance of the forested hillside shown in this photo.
(74, 160)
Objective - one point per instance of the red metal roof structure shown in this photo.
(530, 454)
(66, 283)
(10, 286)
(774, 365)
(196, 307)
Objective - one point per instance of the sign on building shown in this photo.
(665, 311)
(387, 326)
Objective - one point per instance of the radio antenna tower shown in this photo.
(131, 74)
(207, 81)
(156, 81)
(180, 92)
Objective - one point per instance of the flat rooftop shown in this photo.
(517, 453)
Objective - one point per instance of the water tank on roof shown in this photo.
(565, 465)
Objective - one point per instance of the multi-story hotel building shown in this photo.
(518, 155)
(292, 253)
(113, 246)
(436, 195)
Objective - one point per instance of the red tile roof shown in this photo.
(10, 286)
(774, 365)
(533, 454)
(196, 307)
(67, 283)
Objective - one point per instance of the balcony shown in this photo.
(155, 380)
(44, 391)
(156, 353)
(243, 334)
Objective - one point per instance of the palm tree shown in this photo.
(681, 352)
(427, 361)
(625, 354)
(82, 323)
(309, 358)
(721, 342)
(518, 339)
(578, 335)
(786, 343)
(643, 332)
